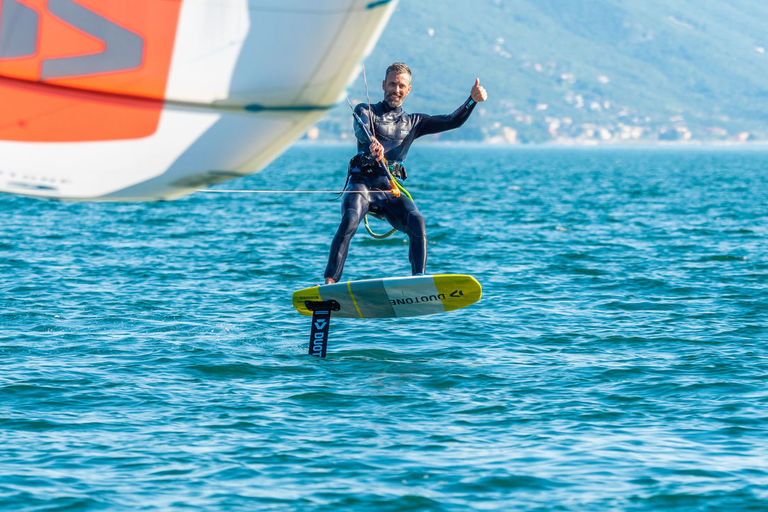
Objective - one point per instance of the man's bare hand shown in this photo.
(478, 93)
(377, 150)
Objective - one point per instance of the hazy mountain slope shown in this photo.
(587, 70)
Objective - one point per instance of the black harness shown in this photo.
(366, 164)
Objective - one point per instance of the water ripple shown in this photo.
(617, 361)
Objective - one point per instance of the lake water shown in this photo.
(618, 360)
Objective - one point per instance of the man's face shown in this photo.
(396, 88)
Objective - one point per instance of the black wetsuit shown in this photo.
(395, 130)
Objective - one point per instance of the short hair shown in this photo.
(398, 68)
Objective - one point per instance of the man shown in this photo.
(369, 185)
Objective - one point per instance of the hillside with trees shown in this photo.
(586, 72)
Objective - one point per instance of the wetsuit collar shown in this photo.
(385, 108)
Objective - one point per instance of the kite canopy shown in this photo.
(153, 99)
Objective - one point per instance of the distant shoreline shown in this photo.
(756, 145)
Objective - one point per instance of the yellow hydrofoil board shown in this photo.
(393, 297)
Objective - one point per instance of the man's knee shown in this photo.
(349, 221)
(416, 224)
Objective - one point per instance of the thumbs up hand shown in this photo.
(478, 93)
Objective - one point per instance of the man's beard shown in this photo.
(393, 101)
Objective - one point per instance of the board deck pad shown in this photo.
(394, 296)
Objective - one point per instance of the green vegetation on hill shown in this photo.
(580, 72)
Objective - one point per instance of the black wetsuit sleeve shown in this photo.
(427, 124)
(362, 137)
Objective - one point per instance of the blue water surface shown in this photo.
(151, 359)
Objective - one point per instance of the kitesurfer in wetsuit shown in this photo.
(384, 133)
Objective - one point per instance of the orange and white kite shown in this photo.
(153, 99)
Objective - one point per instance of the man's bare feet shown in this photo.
(329, 280)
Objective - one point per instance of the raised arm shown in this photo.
(436, 124)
